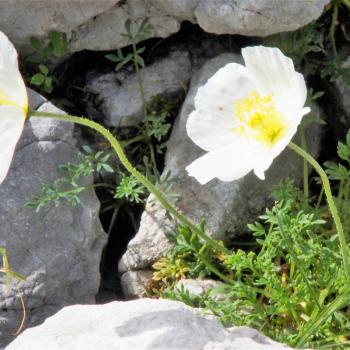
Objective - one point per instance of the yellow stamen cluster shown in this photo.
(258, 118)
(5, 100)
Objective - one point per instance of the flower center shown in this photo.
(5, 100)
(258, 118)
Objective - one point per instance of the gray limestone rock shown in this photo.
(119, 96)
(227, 207)
(57, 249)
(150, 242)
(134, 283)
(99, 25)
(140, 324)
(256, 17)
(339, 108)
(23, 19)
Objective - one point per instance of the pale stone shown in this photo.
(138, 325)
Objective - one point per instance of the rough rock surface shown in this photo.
(340, 106)
(140, 324)
(119, 96)
(256, 18)
(134, 283)
(150, 243)
(226, 206)
(99, 25)
(58, 249)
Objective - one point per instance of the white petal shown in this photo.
(11, 82)
(264, 162)
(227, 163)
(7, 50)
(274, 73)
(268, 66)
(11, 126)
(210, 124)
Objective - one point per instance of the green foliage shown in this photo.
(130, 189)
(185, 259)
(43, 80)
(334, 69)
(292, 285)
(160, 109)
(39, 60)
(68, 187)
(339, 173)
(134, 36)
(43, 51)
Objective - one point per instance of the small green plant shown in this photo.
(292, 284)
(43, 76)
(279, 288)
(134, 36)
(130, 189)
(69, 186)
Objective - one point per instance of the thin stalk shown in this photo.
(331, 204)
(318, 204)
(129, 142)
(144, 106)
(214, 270)
(333, 26)
(152, 188)
(24, 317)
(305, 165)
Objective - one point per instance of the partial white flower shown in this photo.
(246, 115)
(13, 104)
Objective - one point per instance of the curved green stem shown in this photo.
(152, 188)
(332, 206)
(305, 167)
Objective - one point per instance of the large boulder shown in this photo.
(58, 249)
(118, 93)
(227, 207)
(99, 25)
(140, 324)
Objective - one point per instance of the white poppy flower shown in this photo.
(13, 104)
(246, 115)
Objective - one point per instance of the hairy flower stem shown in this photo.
(152, 188)
(331, 204)
(305, 164)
